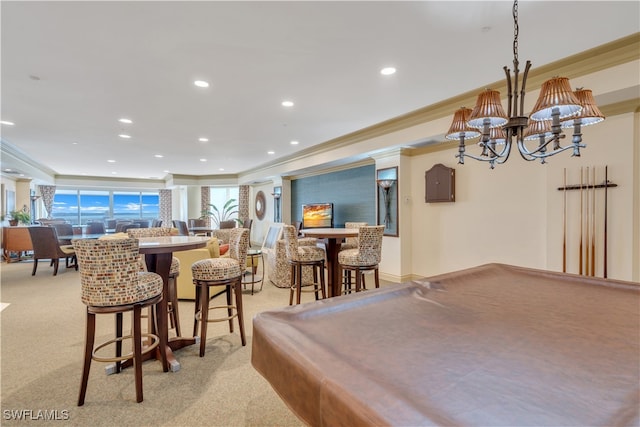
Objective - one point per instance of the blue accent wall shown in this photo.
(352, 192)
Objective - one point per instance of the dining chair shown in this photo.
(156, 223)
(183, 230)
(365, 258)
(352, 242)
(96, 228)
(174, 272)
(112, 283)
(225, 271)
(246, 223)
(228, 224)
(302, 256)
(63, 229)
(46, 246)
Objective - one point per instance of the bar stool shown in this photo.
(365, 258)
(112, 283)
(174, 272)
(303, 256)
(225, 272)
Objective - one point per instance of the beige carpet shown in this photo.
(41, 353)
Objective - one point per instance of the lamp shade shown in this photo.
(537, 129)
(556, 93)
(488, 107)
(590, 114)
(459, 125)
(497, 136)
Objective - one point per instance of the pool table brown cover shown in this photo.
(494, 345)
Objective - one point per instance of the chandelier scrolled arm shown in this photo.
(557, 107)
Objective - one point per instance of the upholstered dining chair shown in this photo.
(183, 230)
(46, 246)
(112, 283)
(95, 228)
(365, 258)
(174, 272)
(352, 242)
(122, 227)
(63, 229)
(300, 256)
(225, 271)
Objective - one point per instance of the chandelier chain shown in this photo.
(516, 30)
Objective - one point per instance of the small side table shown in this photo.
(254, 258)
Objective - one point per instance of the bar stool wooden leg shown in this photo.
(137, 350)
(239, 309)
(204, 317)
(88, 350)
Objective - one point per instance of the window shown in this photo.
(82, 206)
(218, 196)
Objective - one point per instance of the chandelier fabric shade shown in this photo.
(590, 113)
(460, 127)
(537, 129)
(555, 94)
(557, 107)
(488, 109)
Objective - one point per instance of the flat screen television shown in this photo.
(317, 215)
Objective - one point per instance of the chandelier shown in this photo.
(557, 108)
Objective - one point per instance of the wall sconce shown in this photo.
(277, 195)
(386, 185)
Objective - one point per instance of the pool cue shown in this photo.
(581, 225)
(587, 221)
(564, 222)
(606, 185)
(593, 224)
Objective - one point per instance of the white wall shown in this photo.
(513, 214)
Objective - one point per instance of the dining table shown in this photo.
(158, 253)
(334, 238)
(202, 230)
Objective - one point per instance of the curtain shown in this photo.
(165, 207)
(205, 199)
(47, 192)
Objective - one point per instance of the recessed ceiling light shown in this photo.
(271, 152)
(159, 156)
(124, 136)
(203, 139)
(111, 161)
(6, 122)
(387, 71)
(124, 120)
(287, 103)
(221, 169)
(114, 173)
(74, 143)
(201, 83)
(203, 160)
(165, 171)
(294, 143)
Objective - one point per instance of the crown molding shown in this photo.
(617, 52)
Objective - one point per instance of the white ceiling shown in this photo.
(70, 70)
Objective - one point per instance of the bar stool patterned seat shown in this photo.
(298, 257)
(221, 271)
(112, 283)
(365, 258)
(174, 272)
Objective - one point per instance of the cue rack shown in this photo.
(584, 220)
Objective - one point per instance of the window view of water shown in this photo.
(86, 206)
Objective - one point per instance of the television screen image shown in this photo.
(317, 215)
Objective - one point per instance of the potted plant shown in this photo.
(217, 215)
(19, 217)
